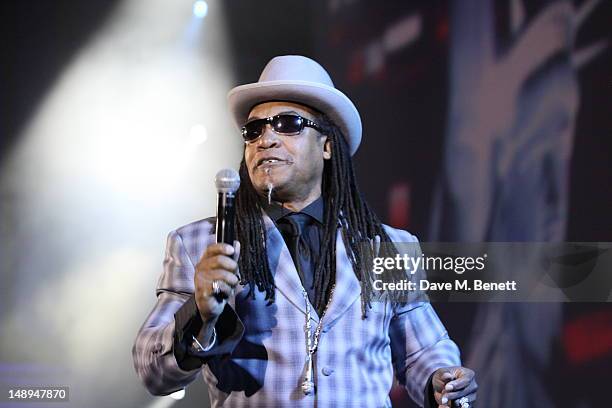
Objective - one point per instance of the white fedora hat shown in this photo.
(295, 78)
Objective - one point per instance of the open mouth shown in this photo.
(271, 161)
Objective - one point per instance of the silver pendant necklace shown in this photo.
(308, 385)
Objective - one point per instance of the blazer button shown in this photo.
(327, 371)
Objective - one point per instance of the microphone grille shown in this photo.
(227, 181)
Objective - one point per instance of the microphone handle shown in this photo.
(225, 218)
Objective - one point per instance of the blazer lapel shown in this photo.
(347, 289)
(286, 278)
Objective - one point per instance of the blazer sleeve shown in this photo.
(419, 344)
(154, 351)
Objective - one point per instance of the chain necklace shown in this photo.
(308, 385)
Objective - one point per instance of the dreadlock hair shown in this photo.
(345, 208)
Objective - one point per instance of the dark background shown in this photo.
(40, 37)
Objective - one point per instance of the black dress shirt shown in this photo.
(310, 225)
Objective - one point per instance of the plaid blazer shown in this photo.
(356, 358)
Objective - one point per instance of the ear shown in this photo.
(327, 150)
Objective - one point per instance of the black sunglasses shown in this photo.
(283, 124)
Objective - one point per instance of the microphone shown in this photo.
(227, 182)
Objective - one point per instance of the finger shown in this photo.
(440, 379)
(222, 262)
(438, 397)
(442, 399)
(225, 290)
(204, 282)
(219, 249)
(461, 382)
(236, 257)
(455, 395)
(222, 275)
(236, 250)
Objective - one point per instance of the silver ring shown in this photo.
(464, 402)
(215, 287)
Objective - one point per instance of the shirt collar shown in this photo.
(276, 211)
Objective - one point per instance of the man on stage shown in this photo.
(287, 316)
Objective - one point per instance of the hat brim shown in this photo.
(333, 103)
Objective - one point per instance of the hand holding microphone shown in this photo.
(216, 273)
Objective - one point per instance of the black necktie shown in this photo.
(300, 250)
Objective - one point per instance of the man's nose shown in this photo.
(268, 138)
